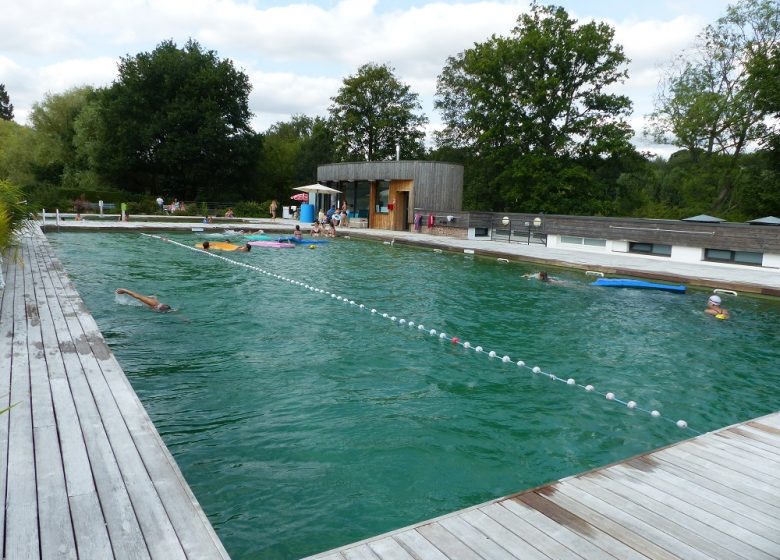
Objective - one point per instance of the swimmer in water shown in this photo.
(542, 277)
(151, 301)
(714, 308)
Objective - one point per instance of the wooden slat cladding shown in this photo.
(435, 184)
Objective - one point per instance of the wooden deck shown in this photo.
(83, 470)
(716, 496)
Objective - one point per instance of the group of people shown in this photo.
(334, 217)
(174, 206)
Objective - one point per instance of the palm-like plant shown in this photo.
(12, 215)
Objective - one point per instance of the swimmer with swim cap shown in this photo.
(714, 308)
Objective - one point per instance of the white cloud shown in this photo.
(298, 54)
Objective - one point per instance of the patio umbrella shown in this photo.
(301, 197)
(317, 188)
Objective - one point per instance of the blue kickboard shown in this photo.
(627, 283)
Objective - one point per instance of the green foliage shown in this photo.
(292, 151)
(13, 212)
(708, 104)
(252, 209)
(372, 112)
(531, 111)
(6, 108)
(175, 122)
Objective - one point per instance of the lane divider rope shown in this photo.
(505, 359)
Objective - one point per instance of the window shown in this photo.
(657, 249)
(382, 196)
(590, 241)
(736, 257)
(480, 232)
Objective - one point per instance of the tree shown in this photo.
(176, 122)
(534, 112)
(6, 108)
(705, 104)
(54, 121)
(372, 112)
(292, 151)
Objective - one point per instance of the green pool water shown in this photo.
(303, 422)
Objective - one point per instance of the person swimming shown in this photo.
(714, 308)
(151, 301)
(542, 276)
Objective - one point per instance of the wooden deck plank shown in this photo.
(6, 366)
(389, 549)
(684, 501)
(191, 527)
(709, 482)
(735, 459)
(21, 528)
(737, 512)
(728, 536)
(545, 544)
(498, 533)
(445, 541)
(658, 526)
(723, 474)
(720, 509)
(476, 540)
(78, 475)
(562, 515)
(56, 525)
(754, 438)
(567, 536)
(618, 534)
(156, 531)
(412, 541)
(120, 522)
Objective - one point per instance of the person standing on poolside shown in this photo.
(151, 301)
(274, 206)
(714, 308)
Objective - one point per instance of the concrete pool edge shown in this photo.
(754, 280)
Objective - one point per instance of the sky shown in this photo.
(298, 54)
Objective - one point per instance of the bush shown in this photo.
(143, 206)
(13, 211)
(251, 209)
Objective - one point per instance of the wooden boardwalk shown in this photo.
(83, 470)
(715, 497)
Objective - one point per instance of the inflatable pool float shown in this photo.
(272, 244)
(293, 239)
(219, 246)
(627, 283)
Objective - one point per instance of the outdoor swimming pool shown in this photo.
(302, 422)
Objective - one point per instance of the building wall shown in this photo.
(430, 184)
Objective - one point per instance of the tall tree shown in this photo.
(54, 121)
(534, 112)
(372, 112)
(6, 108)
(176, 122)
(292, 150)
(704, 104)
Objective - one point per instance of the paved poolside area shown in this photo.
(752, 279)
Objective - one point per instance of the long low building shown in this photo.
(427, 196)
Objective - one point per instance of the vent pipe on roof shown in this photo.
(398, 152)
